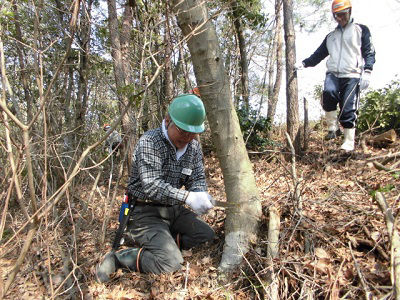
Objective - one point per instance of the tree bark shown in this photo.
(242, 220)
(24, 74)
(168, 78)
(119, 52)
(84, 67)
(391, 225)
(273, 91)
(306, 124)
(292, 109)
(244, 69)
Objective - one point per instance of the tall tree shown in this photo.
(119, 50)
(240, 186)
(83, 33)
(292, 105)
(168, 77)
(244, 65)
(274, 86)
(22, 62)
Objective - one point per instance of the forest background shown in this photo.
(69, 67)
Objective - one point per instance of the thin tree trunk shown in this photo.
(119, 52)
(83, 93)
(66, 99)
(21, 58)
(33, 221)
(306, 125)
(244, 69)
(273, 250)
(273, 94)
(240, 186)
(292, 109)
(116, 44)
(168, 78)
(394, 237)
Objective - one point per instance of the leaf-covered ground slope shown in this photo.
(334, 245)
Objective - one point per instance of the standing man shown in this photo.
(113, 141)
(349, 67)
(165, 160)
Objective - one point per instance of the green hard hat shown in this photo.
(188, 113)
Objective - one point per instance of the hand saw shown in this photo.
(226, 204)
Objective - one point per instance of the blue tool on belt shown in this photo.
(126, 209)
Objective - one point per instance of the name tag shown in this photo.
(186, 171)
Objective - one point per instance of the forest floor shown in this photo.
(337, 247)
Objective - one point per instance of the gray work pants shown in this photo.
(155, 228)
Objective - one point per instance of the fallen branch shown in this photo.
(395, 165)
(385, 138)
(381, 167)
(368, 294)
(377, 246)
(254, 271)
(394, 241)
(28, 240)
(397, 154)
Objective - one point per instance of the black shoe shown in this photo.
(108, 266)
(333, 134)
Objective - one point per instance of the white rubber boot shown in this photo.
(331, 121)
(348, 143)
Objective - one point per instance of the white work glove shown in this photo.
(299, 65)
(364, 83)
(200, 202)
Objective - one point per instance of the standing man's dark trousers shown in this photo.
(345, 92)
(162, 231)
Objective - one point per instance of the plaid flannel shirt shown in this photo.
(157, 175)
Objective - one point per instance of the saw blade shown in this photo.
(225, 204)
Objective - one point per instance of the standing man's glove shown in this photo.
(299, 65)
(364, 82)
(200, 202)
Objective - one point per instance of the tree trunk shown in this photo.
(242, 220)
(84, 67)
(244, 70)
(24, 75)
(66, 99)
(119, 52)
(168, 81)
(306, 125)
(292, 113)
(273, 94)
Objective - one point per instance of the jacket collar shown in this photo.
(351, 21)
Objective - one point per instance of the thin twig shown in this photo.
(368, 294)
(394, 242)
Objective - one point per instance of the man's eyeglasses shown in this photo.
(342, 14)
(184, 133)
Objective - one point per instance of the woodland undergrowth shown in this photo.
(337, 247)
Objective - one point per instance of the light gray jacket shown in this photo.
(350, 51)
